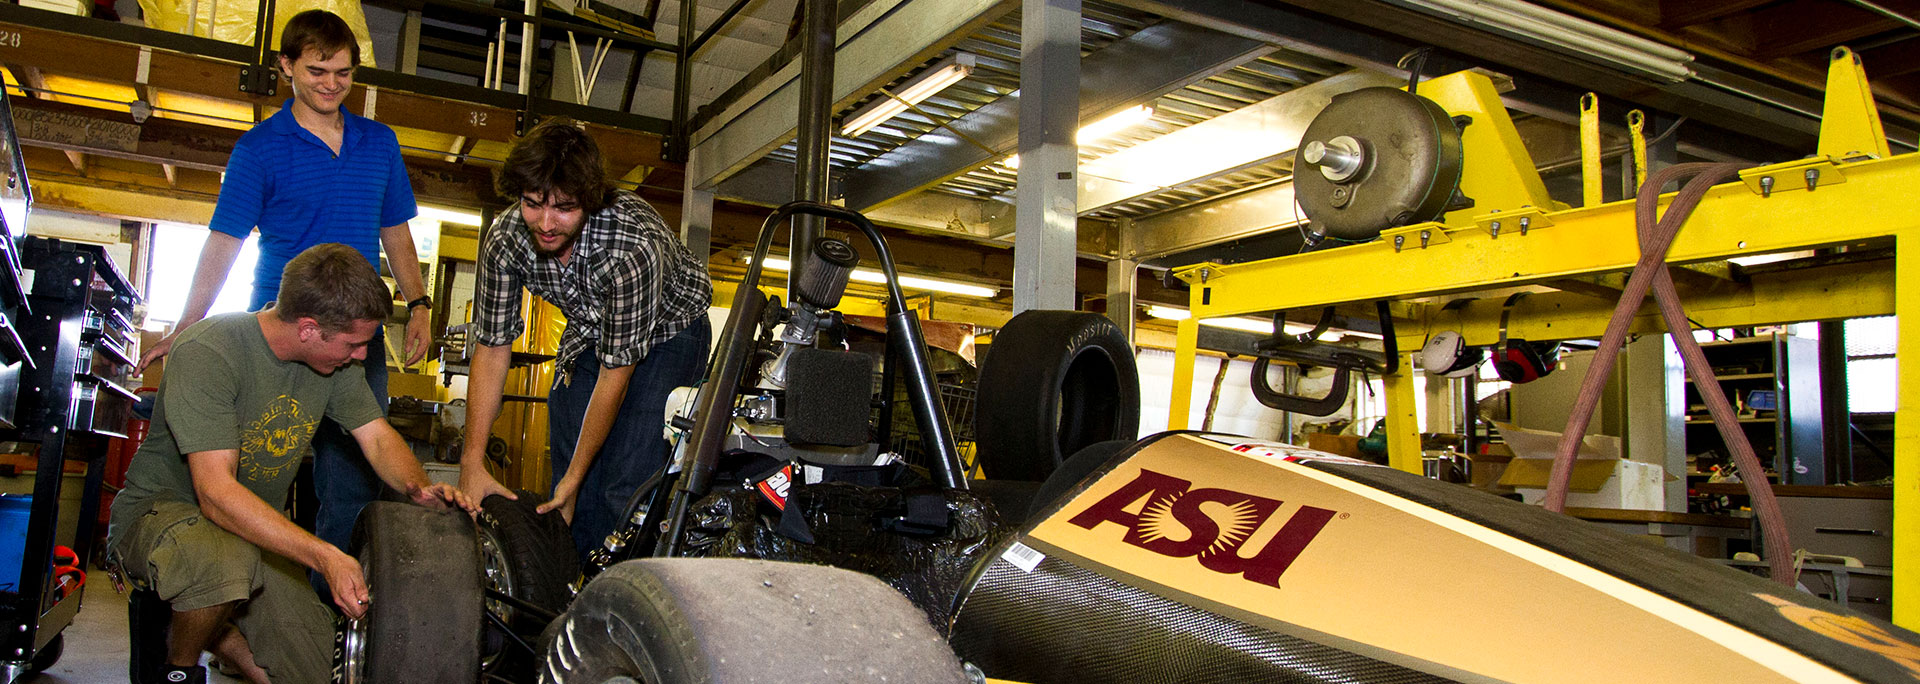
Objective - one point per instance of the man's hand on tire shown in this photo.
(439, 496)
(565, 496)
(348, 584)
(478, 485)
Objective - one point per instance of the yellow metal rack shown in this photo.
(1853, 190)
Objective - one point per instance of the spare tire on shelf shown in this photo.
(1053, 383)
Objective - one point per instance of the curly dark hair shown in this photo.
(556, 155)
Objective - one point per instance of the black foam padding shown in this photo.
(829, 397)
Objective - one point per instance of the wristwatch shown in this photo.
(424, 300)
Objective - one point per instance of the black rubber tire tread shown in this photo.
(538, 547)
(47, 657)
(424, 575)
(1053, 383)
(701, 620)
(1067, 477)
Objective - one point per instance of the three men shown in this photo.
(200, 520)
(636, 306)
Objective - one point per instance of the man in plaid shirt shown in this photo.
(636, 306)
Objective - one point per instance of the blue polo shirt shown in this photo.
(284, 180)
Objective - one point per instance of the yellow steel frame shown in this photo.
(1516, 236)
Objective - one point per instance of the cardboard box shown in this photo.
(1600, 479)
(1338, 445)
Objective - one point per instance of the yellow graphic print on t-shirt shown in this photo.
(275, 441)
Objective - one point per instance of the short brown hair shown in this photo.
(317, 29)
(555, 155)
(333, 285)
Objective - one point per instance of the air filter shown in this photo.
(824, 277)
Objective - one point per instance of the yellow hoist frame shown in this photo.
(1850, 191)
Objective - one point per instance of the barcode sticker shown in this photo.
(1023, 556)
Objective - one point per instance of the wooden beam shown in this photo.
(104, 132)
(173, 174)
(79, 160)
(1679, 14)
(1796, 27)
(1891, 60)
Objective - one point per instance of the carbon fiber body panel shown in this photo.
(1064, 623)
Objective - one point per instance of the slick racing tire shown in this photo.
(424, 576)
(685, 620)
(1054, 382)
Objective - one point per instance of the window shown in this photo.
(1872, 373)
(176, 252)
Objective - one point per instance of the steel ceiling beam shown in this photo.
(1154, 61)
(1373, 34)
(876, 44)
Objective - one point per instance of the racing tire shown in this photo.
(684, 620)
(1066, 478)
(1054, 382)
(529, 556)
(46, 657)
(419, 563)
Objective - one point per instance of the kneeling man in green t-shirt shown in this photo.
(200, 521)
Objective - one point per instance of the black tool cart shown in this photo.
(66, 342)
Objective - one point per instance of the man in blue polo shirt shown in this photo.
(316, 173)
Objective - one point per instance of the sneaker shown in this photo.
(183, 675)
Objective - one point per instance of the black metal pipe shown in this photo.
(718, 24)
(680, 144)
(813, 140)
(936, 434)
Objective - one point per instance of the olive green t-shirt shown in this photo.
(225, 389)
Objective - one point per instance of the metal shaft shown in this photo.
(816, 113)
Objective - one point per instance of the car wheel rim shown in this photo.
(500, 578)
(353, 653)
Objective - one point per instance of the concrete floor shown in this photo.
(97, 640)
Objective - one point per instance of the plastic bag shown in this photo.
(234, 20)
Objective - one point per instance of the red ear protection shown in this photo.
(1519, 361)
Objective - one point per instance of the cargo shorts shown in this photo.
(192, 563)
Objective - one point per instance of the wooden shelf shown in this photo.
(1740, 376)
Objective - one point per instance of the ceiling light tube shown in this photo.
(935, 79)
(1106, 126)
(907, 282)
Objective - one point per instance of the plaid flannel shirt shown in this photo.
(629, 285)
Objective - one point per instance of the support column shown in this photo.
(816, 113)
(1906, 431)
(410, 43)
(696, 219)
(1123, 280)
(1043, 242)
(1185, 346)
(1403, 425)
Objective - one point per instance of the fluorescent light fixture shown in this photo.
(1242, 323)
(867, 275)
(944, 73)
(1100, 130)
(459, 218)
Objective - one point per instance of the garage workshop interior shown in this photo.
(1082, 341)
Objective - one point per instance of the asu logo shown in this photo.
(1173, 506)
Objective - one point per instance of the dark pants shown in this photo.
(343, 481)
(635, 445)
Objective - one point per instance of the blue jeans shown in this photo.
(635, 446)
(343, 481)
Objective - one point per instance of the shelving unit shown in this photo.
(1787, 437)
